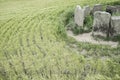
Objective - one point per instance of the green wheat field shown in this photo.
(34, 44)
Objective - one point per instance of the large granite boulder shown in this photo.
(79, 16)
(87, 10)
(97, 7)
(101, 23)
(115, 25)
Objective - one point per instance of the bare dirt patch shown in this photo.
(86, 37)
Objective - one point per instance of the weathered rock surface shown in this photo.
(115, 25)
(97, 7)
(101, 22)
(87, 10)
(104, 24)
(79, 16)
(118, 9)
(112, 9)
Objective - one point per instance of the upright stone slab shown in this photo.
(87, 10)
(111, 9)
(115, 25)
(79, 16)
(101, 23)
(97, 7)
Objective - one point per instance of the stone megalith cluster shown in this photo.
(104, 22)
(86, 10)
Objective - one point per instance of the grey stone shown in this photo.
(111, 9)
(97, 7)
(115, 25)
(101, 22)
(87, 10)
(118, 9)
(79, 16)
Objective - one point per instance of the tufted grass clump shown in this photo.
(88, 23)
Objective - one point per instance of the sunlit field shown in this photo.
(34, 44)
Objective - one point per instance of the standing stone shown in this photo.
(79, 16)
(115, 25)
(101, 22)
(111, 9)
(118, 9)
(97, 7)
(87, 10)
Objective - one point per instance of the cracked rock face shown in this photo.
(101, 22)
(79, 16)
(115, 25)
